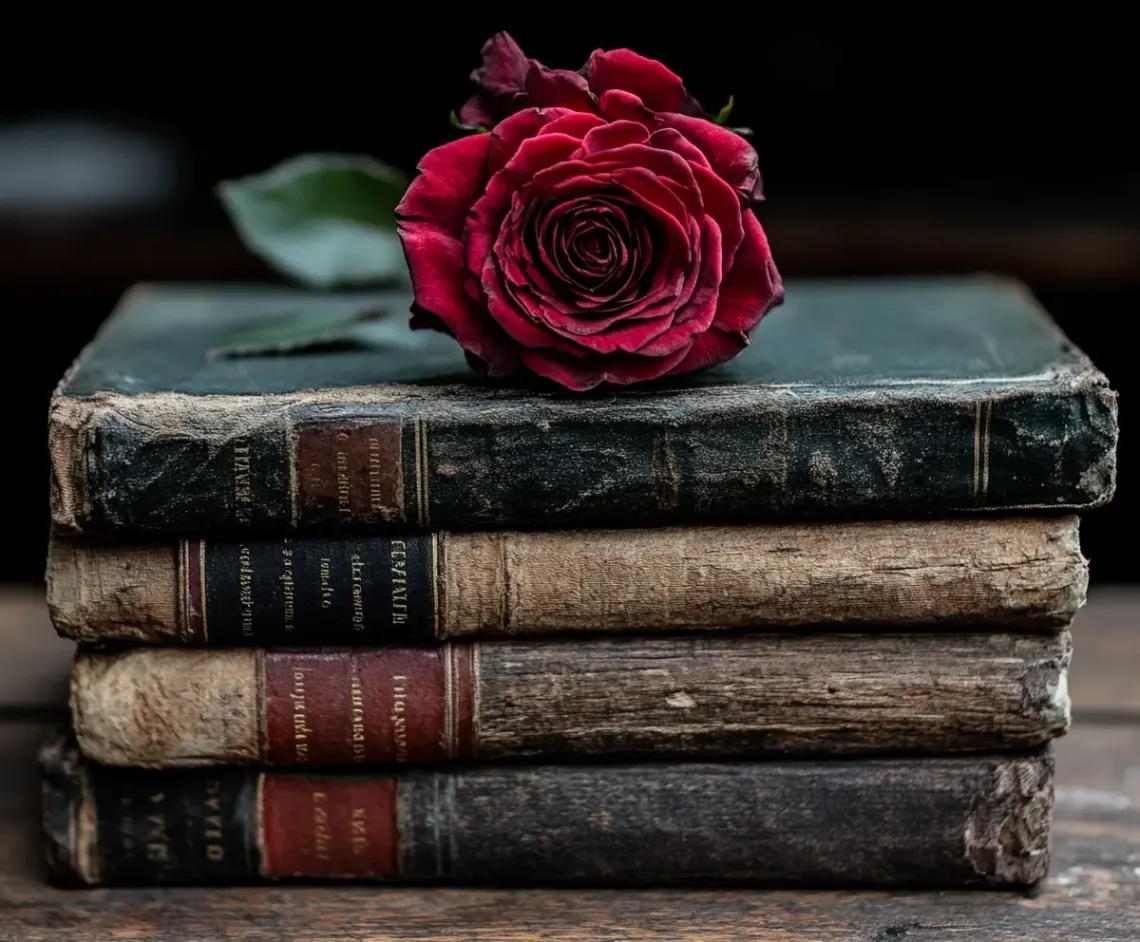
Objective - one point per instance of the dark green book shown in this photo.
(218, 409)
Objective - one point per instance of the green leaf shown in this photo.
(453, 119)
(726, 111)
(307, 331)
(326, 220)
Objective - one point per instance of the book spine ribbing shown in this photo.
(976, 821)
(720, 456)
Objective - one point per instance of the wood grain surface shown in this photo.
(1092, 893)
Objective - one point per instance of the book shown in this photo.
(697, 697)
(977, 820)
(195, 411)
(1023, 572)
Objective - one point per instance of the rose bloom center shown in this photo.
(592, 252)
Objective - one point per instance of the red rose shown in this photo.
(599, 240)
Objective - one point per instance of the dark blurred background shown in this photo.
(910, 146)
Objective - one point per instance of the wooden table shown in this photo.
(1093, 892)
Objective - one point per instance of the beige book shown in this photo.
(1016, 572)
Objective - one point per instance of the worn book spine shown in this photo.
(979, 820)
(1021, 572)
(699, 697)
(373, 458)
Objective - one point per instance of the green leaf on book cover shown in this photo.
(315, 331)
(326, 220)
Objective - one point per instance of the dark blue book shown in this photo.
(204, 410)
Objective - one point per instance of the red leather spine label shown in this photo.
(328, 828)
(384, 705)
(353, 474)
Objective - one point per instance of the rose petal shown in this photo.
(723, 205)
(676, 263)
(752, 286)
(435, 263)
(504, 307)
(664, 164)
(589, 253)
(567, 315)
(691, 278)
(674, 140)
(660, 200)
(575, 123)
(633, 245)
(698, 313)
(592, 248)
(732, 158)
(709, 349)
(518, 267)
(694, 108)
(571, 178)
(475, 113)
(615, 134)
(585, 374)
(623, 335)
(486, 215)
(618, 105)
(619, 331)
(549, 252)
(530, 294)
(450, 180)
(610, 298)
(509, 135)
(603, 213)
(517, 290)
(558, 88)
(657, 86)
(518, 258)
(501, 80)
(505, 66)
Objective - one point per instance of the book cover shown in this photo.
(979, 820)
(1023, 572)
(698, 697)
(191, 414)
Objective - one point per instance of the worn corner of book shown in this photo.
(136, 293)
(71, 588)
(1007, 283)
(70, 421)
(61, 584)
(1059, 705)
(1007, 838)
(67, 812)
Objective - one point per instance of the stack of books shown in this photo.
(347, 612)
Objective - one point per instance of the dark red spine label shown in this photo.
(328, 828)
(389, 705)
(373, 473)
